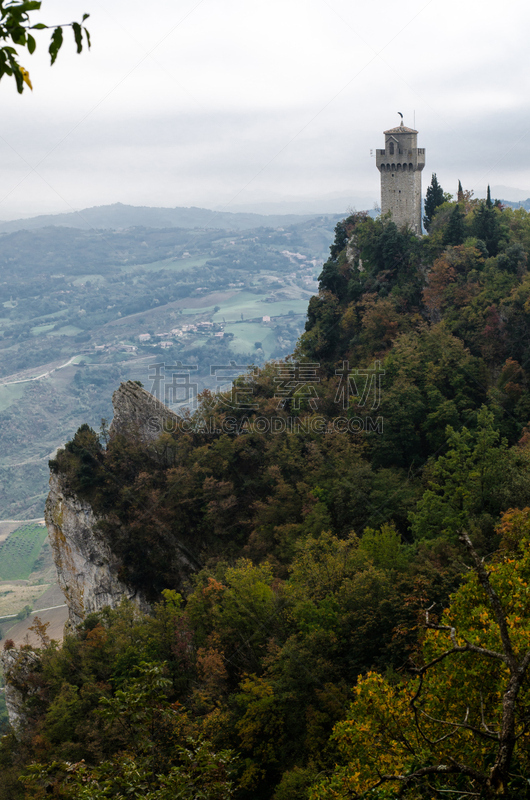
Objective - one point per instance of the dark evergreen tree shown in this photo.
(331, 278)
(486, 225)
(341, 240)
(513, 260)
(460, 195)
(455, 233)
(433, 199)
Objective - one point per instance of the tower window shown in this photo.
(391, 148)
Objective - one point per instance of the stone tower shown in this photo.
(400, 165)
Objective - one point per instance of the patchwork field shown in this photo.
(20, 551)
(31, 586)
(20, 632)
(15, 595)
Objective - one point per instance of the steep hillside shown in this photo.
(331, 506)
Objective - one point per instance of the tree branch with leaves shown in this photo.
(460, 723)
(16, 36)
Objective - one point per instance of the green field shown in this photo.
(66, 330)
(246, 334)
(177, 265)
(20, 551)
(10, 394)
(252, 305)
(38, 329)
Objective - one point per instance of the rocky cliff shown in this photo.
(17, 666)
(87, 569)
(139, 415)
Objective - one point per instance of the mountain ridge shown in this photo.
(120, 216)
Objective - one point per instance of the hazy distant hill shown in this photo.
(500, 190)
(119, 215)
(519, 198)
(517, 203)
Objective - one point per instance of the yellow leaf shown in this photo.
(25, 76)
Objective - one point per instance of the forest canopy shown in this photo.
(355, 623)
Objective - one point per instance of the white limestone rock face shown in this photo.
(86, 567)
(16, 666)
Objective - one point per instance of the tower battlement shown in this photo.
(400, 165)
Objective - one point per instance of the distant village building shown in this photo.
(266, 319)
(144, 337)
(400, 165)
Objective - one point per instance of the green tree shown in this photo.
(16, 28)
(434, 198)
(455, 231)
(471, 484)
(460, 724)
(486, 225)
(159, 759)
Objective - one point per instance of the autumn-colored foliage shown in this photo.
(351, 618)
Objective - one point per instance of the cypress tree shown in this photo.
(486, 225)
(433, 199)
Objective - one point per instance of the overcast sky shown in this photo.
(240, 103)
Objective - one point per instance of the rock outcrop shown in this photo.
(139, 415)
(17, 666)
(87, 569)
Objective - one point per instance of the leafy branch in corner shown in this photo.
(15, 32)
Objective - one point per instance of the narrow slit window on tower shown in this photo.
(391, 148)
